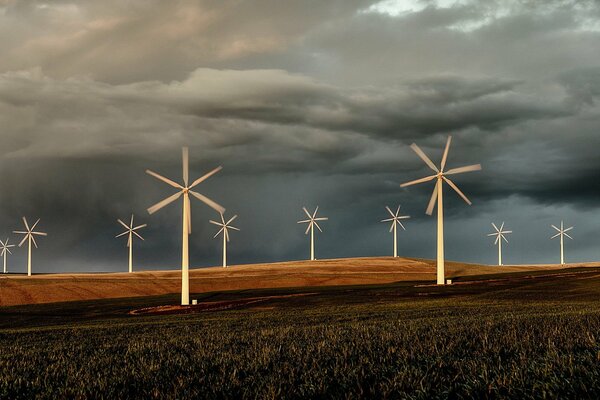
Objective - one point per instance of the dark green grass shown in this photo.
(524, 338)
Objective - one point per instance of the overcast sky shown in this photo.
(303, 103)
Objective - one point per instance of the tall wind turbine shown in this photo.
(500, 232)
(5, 250)
(29, 237)
(225, 229)
(312, 222)
(440, 176)
(185, 190)
(395, 220)
(562, 232)
(130, 231)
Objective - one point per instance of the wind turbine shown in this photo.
(395, 220)
(499, 237)
(29, 237)
(440, 176)
(312, 222)
(5, 248)
(562, 232)
(130, 231)
(224, 228)
(185, 190)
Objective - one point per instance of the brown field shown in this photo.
(48, 288)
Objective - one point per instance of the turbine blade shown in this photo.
(122, 234)
(21, 232)
(505, 239)
(308, 228)
(34, 225)
(9, 252)
(131, 222)
(460, 170)
(24, 240)
(206, 176)
(390, 211)
(231, 220)
(426, 179)
(164, 202)
(402, 226)
(307, 213)
(26, 224)
(39, 233)
(137, 234)
(34, 242)
(234, 228)
(226, 235)
(129, 241)
(568, 229)
(555, 227)
(208, 202)
(424, 157)
(495, 227)
(318, 227)
(493, 234)
(218, 233)
(502, 226)
(397, 211)
(388, 219)
(445, 156)
(558, 234)
(497, 239)
(186, 204)
(304, 221)
(140, 227)
(123, 223)
(506, 232)
(432, 201)
(392, 226)
(315, 213)
(185, 157)
(215, 222)
(165, 180)
(321, 219)
(567, 235)
(457, 190)
(403, 217)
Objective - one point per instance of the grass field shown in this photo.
(522, 335)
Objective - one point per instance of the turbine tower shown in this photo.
(440, 176)
(395, 220)
(500, 232)
(185, 190)
(562, 232)
(29, 237)
(5, 250)
(225, 229)
(312, 222)
(130, 231)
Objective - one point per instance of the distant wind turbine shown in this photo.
(130, 231)
(440, 176)
(562, 232)
(5, 250)
(185, 190)
(225, 230)
(29, 237)
(312, 222)
(395, 220)
(500, 232)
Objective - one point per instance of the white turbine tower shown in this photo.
(395, 220)
(440, 176)
(130, 231)
(225, 229)
(312, 222)
(562, 232)
(185, 190)
(5, 251)
(29, 237)
(500, 232)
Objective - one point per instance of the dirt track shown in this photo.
(47, 288)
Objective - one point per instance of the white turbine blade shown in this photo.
(124, 224)
(308, 227)
(321, 219)
(234, 228)
(506, 232)
(21, 232)
(24, 240)
(318, 227)
(122, 234)
(226, 235)
(9, 252)
(131, 222)
(502, 226)
(392, 226)
(165, 180)
(445, 156)
(402, 226)
(215, 222)
(140, 227)
(304, 221)
(186, 204)
(208, 202)
(231, 220)
(457, 190)
(493, 234)
(568, 229)
(34, 242)
(495, 227)
(206, 176)
(26, 224)
(129, 241)
(397, 211)
(218, 233)
(39, 233)
(505, 239)
(34, 225)
(424, 157)
(390, 211)
(403, 217)
(460, 170)
(185, 157)
(307, 213)
(388, 219)
(567, 235)
(315, 213)
(137, 234)
(432, 201)
(426, 179)
(558, 234)
(164, 202)
(555, 227)
(497, 239)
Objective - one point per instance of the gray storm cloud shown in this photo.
(302, 106)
